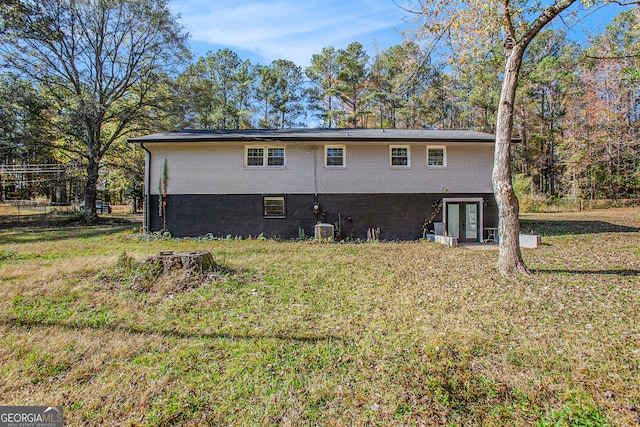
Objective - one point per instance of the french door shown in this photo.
(463, 220)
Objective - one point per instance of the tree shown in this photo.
(265, 89)
(280, 92)
(352, 83)
(123, 174)
(386, 67)
(549, 80)
(614, 88)
(481, 93)
(24, 124)
(289, 93)
(471, 27)
(397, 80)
(215, 91)
(100, 61)
(322, 74)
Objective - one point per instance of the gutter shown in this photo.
(313, 141)
(147, 197)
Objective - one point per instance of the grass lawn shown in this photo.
(300, 333)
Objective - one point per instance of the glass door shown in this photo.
(463, 220)
(453, 220)
(471, 221)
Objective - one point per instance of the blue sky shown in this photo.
(266, 30)
(263, 31)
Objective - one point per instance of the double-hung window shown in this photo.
(437, 156)
(400, 156)
(275, 156)
(272, 157)
(255, 156)
(335, 156)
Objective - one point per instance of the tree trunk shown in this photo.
(90, 192)
(510, 260)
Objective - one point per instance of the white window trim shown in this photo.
(246, 156)
(265, 157)
(444, 156)
(344, 156)
(408, 165)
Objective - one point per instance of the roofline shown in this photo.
(309, 140)
(311, 136)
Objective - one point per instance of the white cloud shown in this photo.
(291, 29)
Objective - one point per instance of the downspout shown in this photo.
(147, 183)
(315, 171)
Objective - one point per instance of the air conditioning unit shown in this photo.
(324, 231)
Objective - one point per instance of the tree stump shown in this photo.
(194, 265)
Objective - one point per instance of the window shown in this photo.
(255, 156)
(437, 157)
(275, 156)
(274, 206)
(400, 156)
(334, 155)
(264, 156)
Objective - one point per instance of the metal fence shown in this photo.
(19, 210)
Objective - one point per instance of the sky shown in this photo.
(265, 30)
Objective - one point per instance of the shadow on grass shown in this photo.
(559, 228)
(51, 234)
(13, 322)
(620, 272)
(65, 220)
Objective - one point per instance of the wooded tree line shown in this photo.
(78, 82)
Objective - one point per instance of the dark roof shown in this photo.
(310, 135)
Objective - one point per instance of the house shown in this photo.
(281, 183)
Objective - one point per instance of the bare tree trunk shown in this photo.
(90, 190)
(510, 260)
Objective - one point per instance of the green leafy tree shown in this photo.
(24, 124)
(481, 93)
(384, 69)
(280, 94)
(385, 76)
(323, 75)
(352, 86)
(265, 94)
(423, 95)
(215, 91)
(289, 94)
(549, 82)
(100, 61)
(442, 102)
(123, 174)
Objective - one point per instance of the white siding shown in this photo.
(219, 169)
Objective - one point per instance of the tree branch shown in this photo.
(541, 21)
(507, 15)
(406, 9)
(636, 55)
(624, 3)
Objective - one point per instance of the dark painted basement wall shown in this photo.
(398, 216)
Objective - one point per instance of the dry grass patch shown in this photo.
(297, 333)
